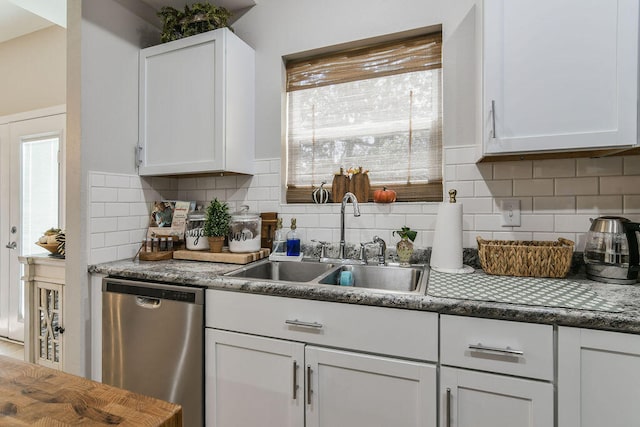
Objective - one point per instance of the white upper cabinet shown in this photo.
(197, 106)
(559, 75)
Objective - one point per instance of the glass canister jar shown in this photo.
(194, 234)
(245, 228)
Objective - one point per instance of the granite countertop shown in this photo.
(626, 298)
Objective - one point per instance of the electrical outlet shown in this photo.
(510, 212)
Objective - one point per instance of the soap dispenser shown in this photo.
(279, 240)
(293, 240)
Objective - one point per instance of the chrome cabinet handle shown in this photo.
(300, 323)
(493, 119)
(11, 245)
(507, 350)
(295, 380)
(448, 410)
(308, 384)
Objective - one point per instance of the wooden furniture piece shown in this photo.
(44, 278)
(35, 395)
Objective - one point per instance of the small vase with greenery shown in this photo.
(404, 247)
(216, 224)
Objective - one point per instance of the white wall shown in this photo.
(103, 43)
(33, 71)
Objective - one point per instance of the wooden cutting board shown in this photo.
(225, 256)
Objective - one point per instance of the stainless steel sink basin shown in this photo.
(388, 278)
(288, 271)
(399, 279)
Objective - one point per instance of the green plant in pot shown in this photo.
(404, 247)
(195, 19)
(216, 224)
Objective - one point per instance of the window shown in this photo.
(378, 107)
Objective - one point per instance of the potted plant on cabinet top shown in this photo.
(216, 224)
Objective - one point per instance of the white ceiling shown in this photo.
(20, 17)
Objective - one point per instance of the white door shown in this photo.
(32, 177)
(253, 381)
(598, 378)
(345, 389)
(560, 75)
(476, 399)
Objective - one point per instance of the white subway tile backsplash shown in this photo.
(533, 187)
(463, 188)
(554, 204)
(421, 222)
(97, 210)
(544, 223)
(500, 188)
(127, 251)
(97, 240)
(513, 235)
(554, 168)
(140, 208)
(599, 204)
(225, 182)
(117, 181)
(477, 205)
(101, 255)
(116, 238)
(129, 223)
(103, 225)
(631, 204)
(513, 170)
(129, 195)
(275, 165)
(599, 166)
(104, 194)
(261, 167)
(620, 185)
(460, 155)
(116, 209)
(472, 172)
(487, 222)
(632, 165)
(572, 223)
(576, 186)
(450, 173)
(96, 179)
(215, 194)
(205, 183)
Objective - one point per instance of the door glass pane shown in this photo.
(39, 210)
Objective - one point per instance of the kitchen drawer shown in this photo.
(404, 333)
(486, 345)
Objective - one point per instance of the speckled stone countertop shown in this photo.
(211, 275)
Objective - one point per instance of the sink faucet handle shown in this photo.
(382, 249)
(323, 247)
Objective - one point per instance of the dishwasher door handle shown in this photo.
(146, 302)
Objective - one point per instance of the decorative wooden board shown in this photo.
(34, 395)
(225, 256)
(155, 256)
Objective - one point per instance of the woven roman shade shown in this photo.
(378, 107)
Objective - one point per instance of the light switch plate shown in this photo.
(510, 213)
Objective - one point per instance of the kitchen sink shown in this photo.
(402, 279)
(411, 279)
(288, 271)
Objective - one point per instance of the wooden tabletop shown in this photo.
(32, 395)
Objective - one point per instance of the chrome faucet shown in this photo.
(382, 249)
(348, 197)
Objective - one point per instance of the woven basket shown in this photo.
(525, 258)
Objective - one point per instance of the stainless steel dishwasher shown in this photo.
(152, 342)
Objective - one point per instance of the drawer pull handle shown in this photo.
(300, 323)
(508, 351)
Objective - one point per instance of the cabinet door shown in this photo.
(559, 75)
(351, 389)
(181, 105)
(475, 399)
(598, 378)
(253, 381)
(47, 318)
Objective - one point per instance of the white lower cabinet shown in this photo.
(598, 378)
(516, 387)
(258, 381)
(477, 399)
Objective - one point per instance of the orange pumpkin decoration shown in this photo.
(384, 196)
